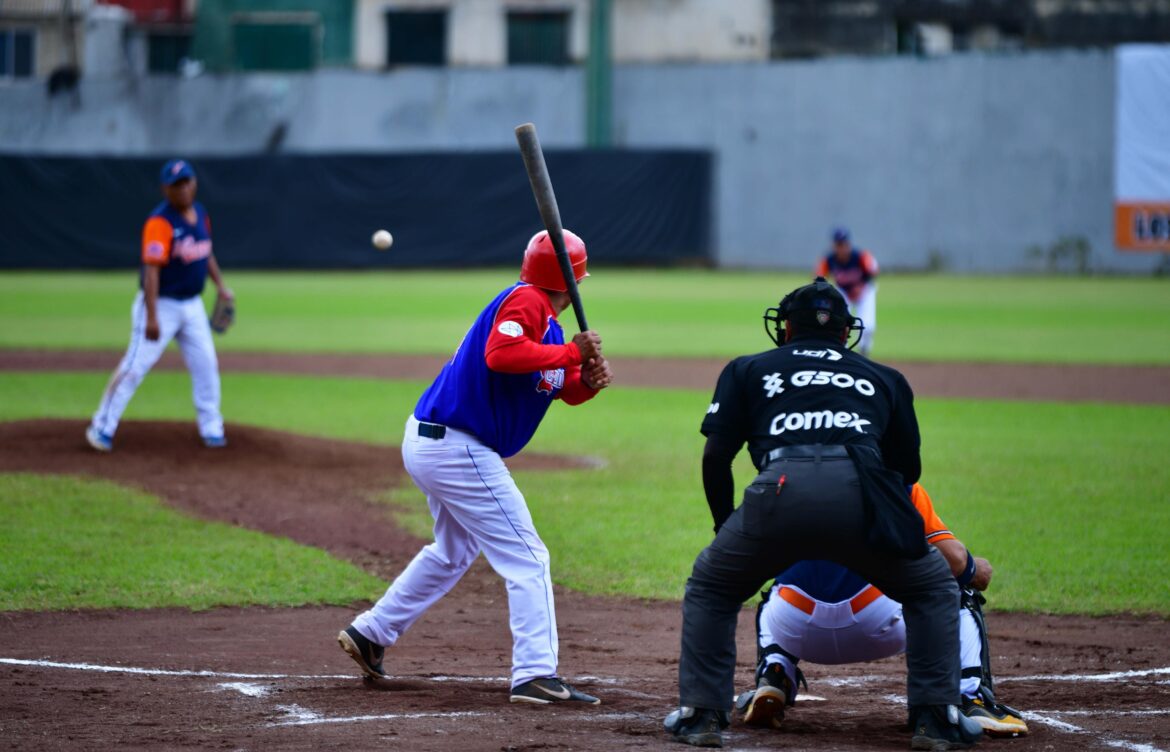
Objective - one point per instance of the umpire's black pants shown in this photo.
(817, 515)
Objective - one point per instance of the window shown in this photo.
(416, 38)
(275, 46)
(165, 49)
(16, 53)
(538, 38)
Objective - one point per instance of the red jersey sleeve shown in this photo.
(156, 241)
(935, 529)
(514, 344)
(574, 392)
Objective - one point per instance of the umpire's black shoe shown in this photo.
(365, 653)
(549, 690)
(698, 727)
(942, 727)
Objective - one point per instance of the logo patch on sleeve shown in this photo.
(510, 328)
(154, 251)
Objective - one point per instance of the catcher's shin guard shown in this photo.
(996, 718)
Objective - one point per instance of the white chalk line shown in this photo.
(305, 717)
(1115, 676)
(1045, 717)
(237, 675)
(247, 689)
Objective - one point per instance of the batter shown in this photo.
(485, 406)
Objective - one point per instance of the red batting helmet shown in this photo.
(540, 267)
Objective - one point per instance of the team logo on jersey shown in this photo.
(827, 353)
(839, 380)
(812, 421)
(189, 250)
(713, 408)
(510, 328)
(551, 380)
(773, 384)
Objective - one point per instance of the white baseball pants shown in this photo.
(186, 322)
(477, 507)
(865, 308)
(833, 634)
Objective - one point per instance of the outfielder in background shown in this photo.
(854, 271)
(176, 261)
(484, 406)
(823, 613)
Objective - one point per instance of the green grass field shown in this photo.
(1068, 501)
(642, 312)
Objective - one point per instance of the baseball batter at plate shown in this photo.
(176, 262)
(484, 406)
(854, 271)
(822, 612)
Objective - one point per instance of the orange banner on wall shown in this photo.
(1141, 225)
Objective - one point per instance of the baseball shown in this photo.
(382, 240)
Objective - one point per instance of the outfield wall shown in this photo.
(968, 161)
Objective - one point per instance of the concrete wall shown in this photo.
(969, 160)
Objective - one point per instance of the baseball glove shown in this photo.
(223, 315)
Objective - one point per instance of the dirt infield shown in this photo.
(1040, 382)
(274, 679)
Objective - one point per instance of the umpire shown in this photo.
(835, 438)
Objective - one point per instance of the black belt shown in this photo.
(808, 451)
(431, 430)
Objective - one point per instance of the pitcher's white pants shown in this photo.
(833, 634)
(477, 507)
(181, 320)
(865, 308)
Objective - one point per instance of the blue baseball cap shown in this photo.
(840, 234)
(176, 170)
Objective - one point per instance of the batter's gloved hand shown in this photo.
(223, 315)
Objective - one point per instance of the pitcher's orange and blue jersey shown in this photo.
(179, 248)
(853, 275)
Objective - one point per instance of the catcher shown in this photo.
(176, 262)
(824, 613)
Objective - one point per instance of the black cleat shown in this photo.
(365, 653)
(698, 727)
(549, 690)
(942, 727)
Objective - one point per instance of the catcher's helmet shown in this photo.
(816, 307)
(541, 268)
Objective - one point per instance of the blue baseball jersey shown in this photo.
(503, 410)
(823, 580)
(180, 249)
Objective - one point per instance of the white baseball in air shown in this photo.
(382, 240)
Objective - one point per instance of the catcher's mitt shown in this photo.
(223, 314)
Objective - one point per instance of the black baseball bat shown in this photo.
(546, 202)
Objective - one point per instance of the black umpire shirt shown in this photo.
(810, 391)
